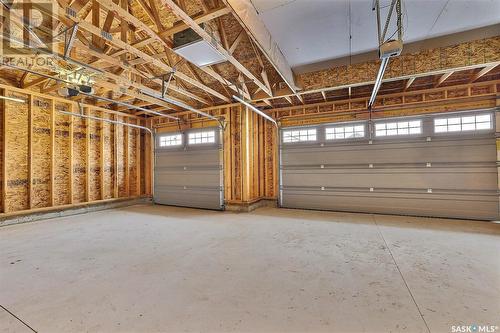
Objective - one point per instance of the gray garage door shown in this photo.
(440, 165)
(188, 169)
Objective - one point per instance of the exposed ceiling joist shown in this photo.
(211, 15)
(483, 72)
(443, 78)
(203, 34)
(249, 19)
(409, 82)
(365, 83)
(130, 18)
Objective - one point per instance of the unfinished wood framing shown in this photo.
(50, 159)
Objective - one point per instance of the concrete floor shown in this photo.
(151, 269)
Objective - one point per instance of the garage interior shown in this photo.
(249, 166)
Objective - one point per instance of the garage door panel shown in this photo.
(444, 174)
(458, 178)
(401, 203)
(188, 178)
(198, 198)
(185, 158)
(190, 175)
(404, 153)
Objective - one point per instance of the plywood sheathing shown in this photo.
(16, 138)
(44, 150)
(79, 160)
(132, 165)
(2, 157)
(62, 155)
(41, 160)
(121, 150)
(94, 128)
(470, 53)
(108, 157)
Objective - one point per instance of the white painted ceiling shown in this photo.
(312, 31)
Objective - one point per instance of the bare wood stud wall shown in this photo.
(50, 159)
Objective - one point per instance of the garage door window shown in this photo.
(398, 128)
(299, 135)
(465, 123)
(201, 137)
(170, 140)
(345, 132)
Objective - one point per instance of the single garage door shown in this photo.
(188, 169)
(440, 165)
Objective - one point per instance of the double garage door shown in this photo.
(188, 169)
(442, 165)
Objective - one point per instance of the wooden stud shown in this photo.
(87, 156)
(4, 153)
(30, 151)
(101, 159)
(71, 139)
(138, 159)
(116, 192)
(52, 151)
(126, 160)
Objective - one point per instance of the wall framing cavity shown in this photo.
(51, 160)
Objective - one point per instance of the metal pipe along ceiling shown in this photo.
(81, 115)
(254, 109)
(91, 95)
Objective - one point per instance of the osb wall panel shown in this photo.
(2, 110)
(79, 159)
(62, 155)
(107, 135)
(94, 128)
(16, 138)
(142, 161)
(42, 158)
(54, 159)
(132, 164)
(465, 54)
(121, 148)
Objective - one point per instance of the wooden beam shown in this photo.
(443, 78)
(87, 156)
(283, 93)
(213, 14)
(96, 16)
(30, 151)
(138, 159)
(409, 82)
(116, 193)
(247, 16)
(71, 137)
(203, 34)
(126, 139)
(52, 152)
(101, 158)
(483, 72)
(130, 18)
(4, 154)
(236, 41)
(324, 95)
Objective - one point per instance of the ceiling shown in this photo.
(313, 31)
